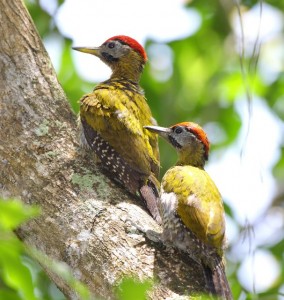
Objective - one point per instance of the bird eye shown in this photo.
(178, 130)
(111, 45)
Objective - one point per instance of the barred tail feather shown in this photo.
(216, 281)
(149, 192)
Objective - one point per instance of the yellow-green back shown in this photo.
(200, 205)
(117, 110)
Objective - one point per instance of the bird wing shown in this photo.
(119, 115)
(200, 205)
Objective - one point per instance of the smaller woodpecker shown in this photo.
(191, 206)
(112, 119)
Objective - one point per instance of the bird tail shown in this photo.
(216, 280)
(150, 193)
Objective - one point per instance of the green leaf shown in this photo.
(14, 212)
(14, 273)
(6, 294)
(130, 289)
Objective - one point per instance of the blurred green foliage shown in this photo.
(21, 277)
(15, 277)
(208, 76)
(130, 289)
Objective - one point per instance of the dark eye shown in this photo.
(111, 45)
(178, 130)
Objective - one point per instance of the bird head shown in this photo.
(124, 55)
(189, 140)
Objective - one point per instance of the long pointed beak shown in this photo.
(162, 131)
(91, 50)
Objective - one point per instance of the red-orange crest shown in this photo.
(131, 43)
(198, 132)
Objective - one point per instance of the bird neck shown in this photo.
(129, 67)
(191, 156)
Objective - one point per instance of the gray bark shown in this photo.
(86, 220)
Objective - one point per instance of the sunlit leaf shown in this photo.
(130, 289)
(13, 213)
(9, 295)
(16, 275)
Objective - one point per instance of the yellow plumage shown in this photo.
(117, 110)
(200, 205)
(191, 206)
(112, 119)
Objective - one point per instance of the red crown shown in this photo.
(131, 43)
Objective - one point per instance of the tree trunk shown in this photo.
(86, 221)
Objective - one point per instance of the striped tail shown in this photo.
(150, 193)
(216, 280)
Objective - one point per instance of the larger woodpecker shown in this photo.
(113, 116)
(191, 206)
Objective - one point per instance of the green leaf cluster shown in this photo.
(21, 277)
(15, 278)
(130, 289)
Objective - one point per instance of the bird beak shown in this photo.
(91, 50)
(162, 131)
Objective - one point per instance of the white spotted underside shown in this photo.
(110, 160)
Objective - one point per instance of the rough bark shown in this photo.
(87, 221)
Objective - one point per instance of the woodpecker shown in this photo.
(191, 206)
(112, 119)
